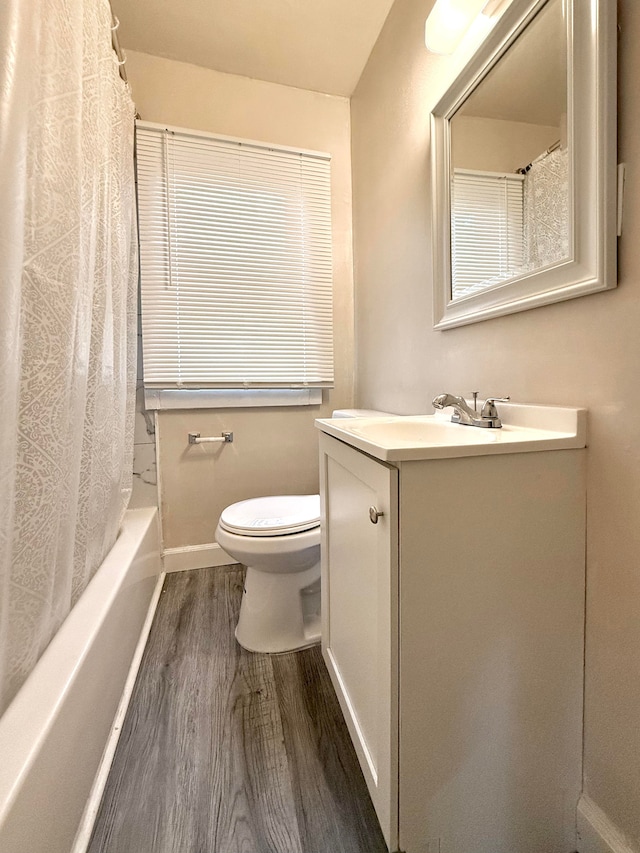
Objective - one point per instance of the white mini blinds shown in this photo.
(486, 229)
(235, 262)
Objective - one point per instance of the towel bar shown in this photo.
(196, 438)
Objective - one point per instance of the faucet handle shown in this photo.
(489, 409)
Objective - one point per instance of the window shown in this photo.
(235, 264)
(486, 233)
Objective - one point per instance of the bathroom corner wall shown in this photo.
(275, 450)
(145, 480)
(498, 146)
(584, 352)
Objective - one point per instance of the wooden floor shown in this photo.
(225, 751)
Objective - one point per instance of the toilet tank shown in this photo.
(360, 413)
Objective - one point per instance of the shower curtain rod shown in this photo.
(554, 147)
(115, 23)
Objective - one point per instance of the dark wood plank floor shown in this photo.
(225, 751)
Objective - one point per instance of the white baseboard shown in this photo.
(597, 834)
(195, 557)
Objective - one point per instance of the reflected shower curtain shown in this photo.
(68, 275)
(546, 209)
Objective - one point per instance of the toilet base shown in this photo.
(280, 612)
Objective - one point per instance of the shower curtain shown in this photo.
(68, 273)
(546, 209)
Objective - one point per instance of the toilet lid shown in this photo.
(272, 516)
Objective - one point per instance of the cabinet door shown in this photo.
(359, 612)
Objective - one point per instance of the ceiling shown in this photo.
(321, 45)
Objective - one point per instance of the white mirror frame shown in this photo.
(591, 126)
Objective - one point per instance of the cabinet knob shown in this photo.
(374, 514)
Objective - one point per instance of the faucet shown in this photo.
(463, 414)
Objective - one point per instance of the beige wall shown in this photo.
(274, 450)
(584, 352)
(493, 145)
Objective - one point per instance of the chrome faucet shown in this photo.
(463, 414)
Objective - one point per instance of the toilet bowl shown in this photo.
(278, 540)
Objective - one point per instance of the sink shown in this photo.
(421, 430)
(525, 429)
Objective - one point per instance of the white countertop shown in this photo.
(400, 438)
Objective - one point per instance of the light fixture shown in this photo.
(449, 20)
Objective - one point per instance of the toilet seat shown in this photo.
(272, 516)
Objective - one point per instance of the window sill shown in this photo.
(231, 398)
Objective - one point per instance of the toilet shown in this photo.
(278, 539)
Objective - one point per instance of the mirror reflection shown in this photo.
(510, 163)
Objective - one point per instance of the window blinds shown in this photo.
(486, 233)
(235, 263)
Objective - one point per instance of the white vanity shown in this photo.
(453, 611)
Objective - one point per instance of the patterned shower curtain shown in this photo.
(68, 273)
(546, 210)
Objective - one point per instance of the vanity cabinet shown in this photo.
(452, 628)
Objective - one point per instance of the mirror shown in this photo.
(524, 165)
(509, 163)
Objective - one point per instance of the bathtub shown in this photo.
(58, 734)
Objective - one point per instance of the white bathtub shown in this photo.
(54, 733)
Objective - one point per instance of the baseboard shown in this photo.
(195, 557)
(597, 834)
(85, 829)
